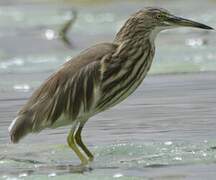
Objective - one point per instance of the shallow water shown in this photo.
(165, 130)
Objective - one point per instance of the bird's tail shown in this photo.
(21, 126)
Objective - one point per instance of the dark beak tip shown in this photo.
(202, 26)
(209, 28)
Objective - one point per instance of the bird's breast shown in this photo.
(116, 88)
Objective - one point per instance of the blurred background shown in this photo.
(31, 42)
(166, 130)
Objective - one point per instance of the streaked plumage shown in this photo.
(97, 79)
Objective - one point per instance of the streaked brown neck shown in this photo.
(133, 32)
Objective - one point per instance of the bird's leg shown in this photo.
(80, 142)
(72, 143)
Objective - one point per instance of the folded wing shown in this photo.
(71, 91)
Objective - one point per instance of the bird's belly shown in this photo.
(65, 120)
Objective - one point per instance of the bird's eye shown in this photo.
(158, 16)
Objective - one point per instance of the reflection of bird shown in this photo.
(97, 79)
(63, 32)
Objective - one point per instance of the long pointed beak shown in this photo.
(178, 21)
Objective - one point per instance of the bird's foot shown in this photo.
(84, 162)
(91, 158)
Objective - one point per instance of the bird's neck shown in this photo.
(139, 35)
(131, 36)
(135, 41)
(136, 52)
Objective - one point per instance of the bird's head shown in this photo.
(148, 22)
(158, 17)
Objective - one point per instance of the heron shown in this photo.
(95, 80)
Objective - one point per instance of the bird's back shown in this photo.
(68, 93)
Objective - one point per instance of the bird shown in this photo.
(97, 79)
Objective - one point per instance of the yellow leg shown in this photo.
(73, 146)
(81, 144)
